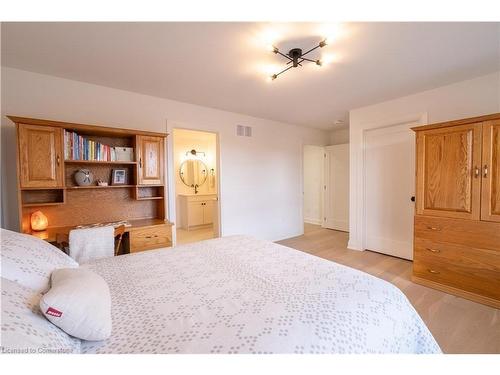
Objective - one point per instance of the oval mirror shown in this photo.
(193, 172)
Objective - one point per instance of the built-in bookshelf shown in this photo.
(86, 148)
(64, 148)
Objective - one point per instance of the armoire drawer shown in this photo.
(469, 233)
(150, 238)
(482, 282)
(484, 260)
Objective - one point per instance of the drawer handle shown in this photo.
(433, 228)
(433, 271)
(433, 250)
(153, 236)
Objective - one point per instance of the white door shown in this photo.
(313, 184)
(389, 185)
(337, 187)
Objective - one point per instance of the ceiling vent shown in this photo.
(243, 131)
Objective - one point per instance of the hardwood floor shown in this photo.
(194, 235)
(458, 325)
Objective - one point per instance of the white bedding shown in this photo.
(242, 295)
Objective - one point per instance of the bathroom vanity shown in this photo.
(196, 210)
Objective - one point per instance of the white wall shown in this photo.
(313, 184)
(469, 98)
(261, 176)
(339, 136)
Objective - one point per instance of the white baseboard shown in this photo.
(352, 245)
(338, 225)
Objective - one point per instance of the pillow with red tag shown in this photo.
(79, 303)
(25, 329)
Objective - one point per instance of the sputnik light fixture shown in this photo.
(296, 57)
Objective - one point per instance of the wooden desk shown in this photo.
(144, 234)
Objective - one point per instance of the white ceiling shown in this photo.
(226, 65)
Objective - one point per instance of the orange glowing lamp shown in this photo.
(39, 221)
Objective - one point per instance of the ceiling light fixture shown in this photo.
(296, 57)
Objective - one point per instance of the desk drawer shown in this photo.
(150, 238)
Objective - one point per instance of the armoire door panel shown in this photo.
(448, 184)
(490, 170)
(40, 151)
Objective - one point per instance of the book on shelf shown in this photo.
(77, 147)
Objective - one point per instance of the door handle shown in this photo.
(476, 172)
(140, 162)
(485, 171)
(58, 160)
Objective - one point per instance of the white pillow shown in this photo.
(79, 303)
(25, 329)
(30, 261)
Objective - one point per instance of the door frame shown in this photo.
(357, 207)
(170, 173)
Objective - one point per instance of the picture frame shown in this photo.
(119, 176)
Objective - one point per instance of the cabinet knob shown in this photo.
(485, 171)
(434, 272)
(412, 198)
(476, 172)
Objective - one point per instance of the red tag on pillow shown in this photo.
(53, 312)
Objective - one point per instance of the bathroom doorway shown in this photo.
(196, 185)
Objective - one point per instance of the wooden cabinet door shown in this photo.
(150, 159)
(208, 212)
(490, 198)
(448, 171)
(195, 213)
(40, 156)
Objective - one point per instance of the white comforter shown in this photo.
(242, 295)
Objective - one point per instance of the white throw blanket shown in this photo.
(92, 243)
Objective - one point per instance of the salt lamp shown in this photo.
(38, 221)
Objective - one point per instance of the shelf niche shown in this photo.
(149, 192)
(101, 172)
(42, 197)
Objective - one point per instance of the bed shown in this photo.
(242, 295)
(235, 294)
